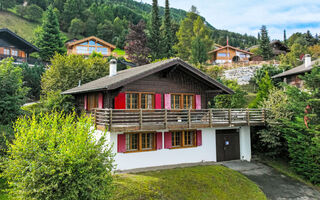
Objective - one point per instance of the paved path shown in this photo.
(275, 185)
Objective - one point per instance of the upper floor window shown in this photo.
(182, 101)
(6, 51)
(139, 100)
(89, 47)
(14, 52)
(223, 54)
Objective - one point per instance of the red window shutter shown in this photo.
(198, 102)
(100, 102)
(85, 102)
(157, 101)
(159, 140)
(167, 140)
(121, 143)
(199, 138)
(167, 101)
(120, 101)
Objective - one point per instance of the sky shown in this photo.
(247, 16)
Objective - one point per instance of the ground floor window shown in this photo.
(183, 138)
(140, 141)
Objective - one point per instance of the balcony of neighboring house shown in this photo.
(20, 60)
(117, 120)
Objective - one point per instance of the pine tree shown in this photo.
(155, 40)
(136, 47)
(50, 39)
(198, 51)
(168, 40)
(259, 37)
(265, 48)
(284, 36)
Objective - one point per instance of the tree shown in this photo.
(32, 79)
(198, 51)
(58, 156)
(264, 44)
(155, 35)
(67, 70)
(5, 4)
(259, 37)
(12, 92)
(265, 85)
(21, 10)
(236, 100)
(34, 12)
(314, 50)
(168, 37)
(105, 31)
(50, 39)
(136, 46)
(76, 27)
(285, 36)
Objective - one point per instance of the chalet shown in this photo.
(291, 76)
(88, 45)
(228, 54)
(12, 45)
(158, 114)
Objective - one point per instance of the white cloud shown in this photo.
(247, 16)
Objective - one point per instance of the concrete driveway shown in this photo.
(275, 185)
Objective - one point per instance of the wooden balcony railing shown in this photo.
(140, 119)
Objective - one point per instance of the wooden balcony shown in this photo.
(151, 120)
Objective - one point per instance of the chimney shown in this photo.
(307, 60)
(113, 67)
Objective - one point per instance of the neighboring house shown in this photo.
(158, 114)
(228, 54)
(291, 76)
(87, 45)
(12, 45)
(278, 48)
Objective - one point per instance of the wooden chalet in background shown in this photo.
(87, 45)
(228, 54)
(158, 114)
(12, 45)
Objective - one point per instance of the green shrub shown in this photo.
(57, 156)
(6, 135)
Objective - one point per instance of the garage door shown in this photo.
(228, 146)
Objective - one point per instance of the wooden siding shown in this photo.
(21, 53)
(214, 56)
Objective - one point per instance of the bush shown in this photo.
(34, 12)
(58, 156)
(6, 135)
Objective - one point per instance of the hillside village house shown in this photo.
(291, 76)
(87, 45)
(12, 45)
(158, 114)
(228, 54)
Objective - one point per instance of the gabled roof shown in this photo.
(231, 47)
(70, 44)
(130, 75)
(298, 70)
(10, 38)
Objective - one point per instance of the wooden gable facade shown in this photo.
(172, 88)
(228, 54)
(88, 45)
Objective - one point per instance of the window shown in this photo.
(132, 100)
(92, 43)
(182, 101)
(139, 100)
(82, 50)
(104, 51)
(84, 43)
(223, 54)
(183, 138)
(14, 52)
(140, 142)
(147, 101)
(6, 51)
(93, 101)
(89, 47)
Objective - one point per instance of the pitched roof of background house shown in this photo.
(298, 70)
(14, 39)
(129, 75)
(231, 47)
(70, 43)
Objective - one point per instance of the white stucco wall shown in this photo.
(206, 152)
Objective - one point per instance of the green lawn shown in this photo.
(119, 52)
(202, 182)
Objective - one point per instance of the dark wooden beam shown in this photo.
(214, 91)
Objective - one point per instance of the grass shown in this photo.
(202, 182)
(283, 167)
(119, 52)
